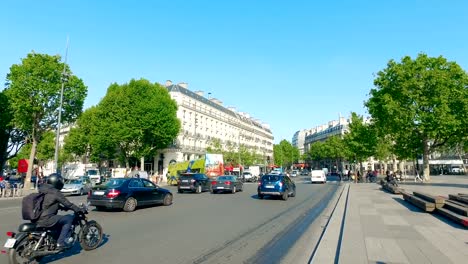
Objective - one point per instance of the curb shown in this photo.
(328, 247)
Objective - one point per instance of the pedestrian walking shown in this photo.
(417, 177)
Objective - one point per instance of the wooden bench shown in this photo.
(421, 203)
(459, 198)
(437, 200)
(391, 188)
(463, 220)
(457, 208)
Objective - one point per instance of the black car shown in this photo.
(194, 182)
(226, 183)
(128, 193)
(276, 185)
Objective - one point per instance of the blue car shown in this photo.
(276, 185)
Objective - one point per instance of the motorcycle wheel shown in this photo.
(91, 236)
(18, 255)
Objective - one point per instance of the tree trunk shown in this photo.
(394, 165)
(142, 163)
(32, 155)
(426, 173)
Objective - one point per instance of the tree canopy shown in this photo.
(422, 104)
(285, 154)
(135, 119)
(33, 89)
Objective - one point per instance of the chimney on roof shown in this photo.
(168, 83)
(183, 85)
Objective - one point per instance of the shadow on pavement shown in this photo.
(75, 250)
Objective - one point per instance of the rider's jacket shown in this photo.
(53, 201)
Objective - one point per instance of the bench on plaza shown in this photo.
(459, 198)
(460, 219)
(456, 209)
(391, 188)
(437, 200)
(427, 206)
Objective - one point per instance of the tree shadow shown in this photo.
(75, 250)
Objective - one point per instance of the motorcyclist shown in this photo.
(53, 201)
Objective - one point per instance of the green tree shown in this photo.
(361, 140)
(285, 154)
(422, 104)
(33, 88)
(337, 150)
(137, 119)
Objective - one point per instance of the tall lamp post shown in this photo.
(57, 134)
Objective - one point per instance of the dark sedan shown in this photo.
(226, 183)
(194, 182)
(128, 194)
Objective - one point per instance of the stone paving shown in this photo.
(379, 227)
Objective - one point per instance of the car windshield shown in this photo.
(75, 182)
(271, 178)
(114, 183)
(92, 172)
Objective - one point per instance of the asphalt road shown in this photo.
(197, 228)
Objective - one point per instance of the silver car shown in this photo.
(78, 186)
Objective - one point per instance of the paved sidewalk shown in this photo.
(373, 226)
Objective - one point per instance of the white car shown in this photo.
(318, 176)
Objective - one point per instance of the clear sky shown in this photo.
(292, 64)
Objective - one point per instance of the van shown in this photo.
(318, 176)
(94, 175)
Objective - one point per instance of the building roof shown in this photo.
(187, 92)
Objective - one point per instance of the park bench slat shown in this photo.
(458, 203)
(391, 188)
(425, 205)
(461, 210)
(463, 220)
(438, 200)
(459, 198)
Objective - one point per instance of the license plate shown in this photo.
(220, 187)
(10, 243)
(184, 180)
(269, 186)
(98, 193)
(184, 187)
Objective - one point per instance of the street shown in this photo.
(197, 228)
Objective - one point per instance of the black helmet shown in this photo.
(56, 181)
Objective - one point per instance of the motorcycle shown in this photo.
(33, 242)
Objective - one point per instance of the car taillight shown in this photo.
(10, 234)
(113, 194)
(89, 194)
(227, 182)
(213, 183)
(280, 184)
(259, 183)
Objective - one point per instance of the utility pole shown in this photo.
(57, 134)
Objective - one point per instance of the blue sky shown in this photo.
(292, 64)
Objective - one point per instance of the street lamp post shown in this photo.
(57, 135)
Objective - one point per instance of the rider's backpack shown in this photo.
(32, 206)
